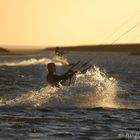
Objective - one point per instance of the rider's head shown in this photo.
(51, 67)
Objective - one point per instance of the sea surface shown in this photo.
(102, 103)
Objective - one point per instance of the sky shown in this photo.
(41, 23)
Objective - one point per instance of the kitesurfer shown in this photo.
(54, 79)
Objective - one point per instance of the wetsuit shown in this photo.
(55, 80)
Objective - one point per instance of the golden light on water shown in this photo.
(68, 22)
(89, 90)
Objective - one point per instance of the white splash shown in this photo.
(33, 61)
(92, 89)
(61, 59)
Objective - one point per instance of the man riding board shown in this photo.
(56, 80)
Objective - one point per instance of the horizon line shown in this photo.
(3, 45)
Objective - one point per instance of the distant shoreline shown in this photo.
(20, 52)
(131, 49)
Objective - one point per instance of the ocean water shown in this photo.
(101, 104)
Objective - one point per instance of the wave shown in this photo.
(33, 61)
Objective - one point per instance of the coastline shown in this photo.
(130, 49)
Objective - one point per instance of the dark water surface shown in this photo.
(102, 104)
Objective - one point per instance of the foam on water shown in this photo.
(58, 59)
(33, 61)
(92, 89)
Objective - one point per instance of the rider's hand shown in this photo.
(71, 73)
